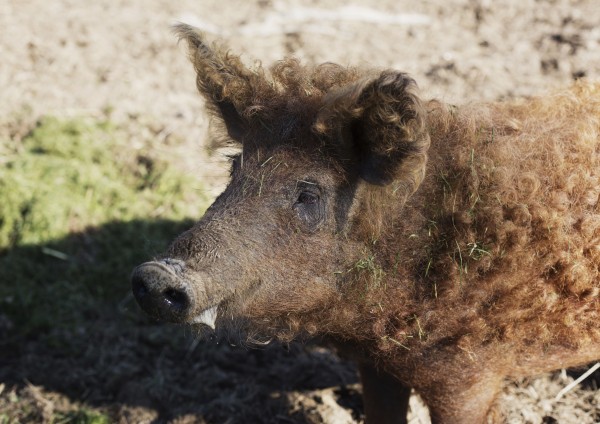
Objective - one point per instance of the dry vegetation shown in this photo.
(82, 352)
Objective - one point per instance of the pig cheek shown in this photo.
(274, 302)
(299, 281)
(288, 268)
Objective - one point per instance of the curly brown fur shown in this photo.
(446, 248)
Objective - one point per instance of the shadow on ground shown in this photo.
(71, 334)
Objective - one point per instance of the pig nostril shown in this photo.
(161, 293)
(176, 298)
(139, 287)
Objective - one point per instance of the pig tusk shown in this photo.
(207, 317)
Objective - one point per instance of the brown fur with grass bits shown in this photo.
(446, 249)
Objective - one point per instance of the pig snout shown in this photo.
(161, 292)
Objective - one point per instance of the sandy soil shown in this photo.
(118, 58)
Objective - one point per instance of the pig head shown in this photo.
(326, 154)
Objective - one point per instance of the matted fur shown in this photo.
(509, 211)
(466, 249)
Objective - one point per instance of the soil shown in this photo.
(118, 58)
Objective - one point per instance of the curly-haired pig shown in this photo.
(445, 248)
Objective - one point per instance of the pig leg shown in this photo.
(458, 404)
(385, 398)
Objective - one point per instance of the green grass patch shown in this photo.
(79, 207)
(68, 175)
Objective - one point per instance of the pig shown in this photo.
(444, 248)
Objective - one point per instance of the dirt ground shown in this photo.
(118, 58)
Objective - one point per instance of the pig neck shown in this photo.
(417, 262)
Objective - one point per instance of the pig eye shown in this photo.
(308, 198)
(310, 208)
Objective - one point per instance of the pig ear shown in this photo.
(384, 120)
(222, 79)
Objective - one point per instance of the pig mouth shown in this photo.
(164, 291)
